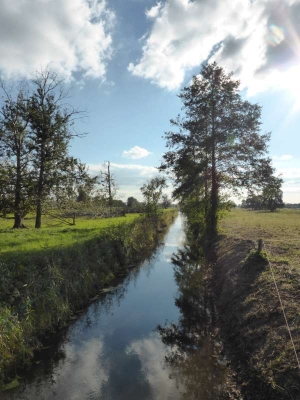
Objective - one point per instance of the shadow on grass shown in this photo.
(252, 322)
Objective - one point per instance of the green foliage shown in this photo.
(57, 271)
(269, 199)
(16, 178)
(35, 132)
(272, 194)
(218, 145)
(152, 192)
(165, 201)
(50, 133)
(133, 205)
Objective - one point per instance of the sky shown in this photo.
(126, 62)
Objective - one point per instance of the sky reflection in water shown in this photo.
(114, 351)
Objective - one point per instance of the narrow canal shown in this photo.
(150, 338)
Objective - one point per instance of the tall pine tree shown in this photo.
(218, 146)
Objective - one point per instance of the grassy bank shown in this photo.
(54, 234)
(253, 323)
(50, 274)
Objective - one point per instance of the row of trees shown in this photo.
(36, 171)
(217, 146)
(36, 127)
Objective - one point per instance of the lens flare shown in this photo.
(275, 35)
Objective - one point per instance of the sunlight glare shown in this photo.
(275, 35)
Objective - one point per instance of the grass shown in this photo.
(279, 230)
(47, 275)
(53, 235)
(250, 308)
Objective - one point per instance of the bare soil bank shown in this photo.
(251, 319)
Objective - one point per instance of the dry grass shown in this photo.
(250, 304)
(280, 232)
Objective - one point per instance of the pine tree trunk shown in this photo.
(214, 182)
(214, 197)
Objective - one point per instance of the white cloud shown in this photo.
(84, 372)
(154, 11)
(70, 35)
(136, 152)
(288, 169)
(151, 352)
(258, 40)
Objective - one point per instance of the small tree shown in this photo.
(6, 189)
(50, 124)
(272, 194)
(152, 192)
(108, 185)
(133, 205)
(15, 150)
(165, 201)
(253, 201)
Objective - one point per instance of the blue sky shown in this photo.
(127, 60)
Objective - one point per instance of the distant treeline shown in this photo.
(292, 205)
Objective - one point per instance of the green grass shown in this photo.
(53, 235)
(48, 274)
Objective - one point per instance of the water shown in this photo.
(149, 339)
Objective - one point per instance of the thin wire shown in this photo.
(282, 306)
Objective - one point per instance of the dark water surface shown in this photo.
(146, 340)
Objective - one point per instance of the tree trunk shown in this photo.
(109, 189)
(38, 217)
(40, 189)
(214, 182)
(214, 197)
(18, 222)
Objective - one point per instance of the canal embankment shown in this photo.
(44, 291)
(257, 298)
(152, 337)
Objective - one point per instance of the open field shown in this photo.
(53, 234)
(280, 232)
(253, 322)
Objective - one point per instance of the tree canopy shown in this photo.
(36, 126)
(217, 145)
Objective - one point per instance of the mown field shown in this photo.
(53, 234)
(279, 230)
(253, 322)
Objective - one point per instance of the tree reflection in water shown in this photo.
(194, 352)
